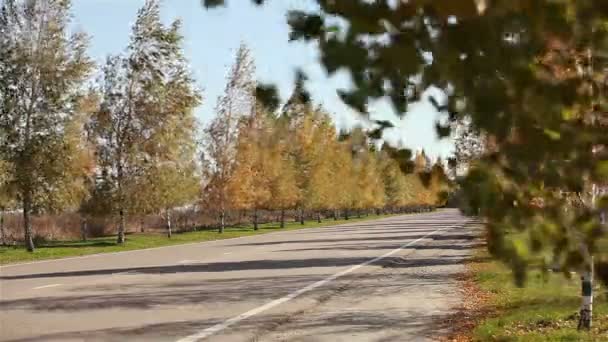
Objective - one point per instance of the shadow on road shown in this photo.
(149, 294)
(251, 265)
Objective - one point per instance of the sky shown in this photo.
(212, 38)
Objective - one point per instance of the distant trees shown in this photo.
(42, 74)
(294, 160)
(144, 127)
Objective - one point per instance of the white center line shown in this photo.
(227, 253)
(46, 286)
(229, 322)
(124, 273)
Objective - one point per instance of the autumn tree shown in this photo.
(317, 189)
(341, 194)
(249, 187)
(312, 134)
(220, 137)
(42, 74)
(282, 171)
(422, 163)
(392, 177)
(438, 184)
(368, 190)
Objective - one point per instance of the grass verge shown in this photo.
(64, 249)
(545, 310)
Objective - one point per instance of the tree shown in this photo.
(42, 73)
(341, 194)
(171, 178)
(439, 184)
(249, 187)
(282, 171)
(422, 163)
(309, 149)
(393, 180)
(317, 190)
(220, 137)
(6, 197)
(368, 189)
(144, 124)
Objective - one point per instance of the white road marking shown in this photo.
(222, 326)
(46, 286)
(124, 273)
(187, 262)
(227, 253)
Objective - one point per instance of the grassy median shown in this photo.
(63, 249)
(545, 310)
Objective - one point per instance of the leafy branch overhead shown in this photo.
(529, 75)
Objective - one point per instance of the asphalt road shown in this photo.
(384, 280)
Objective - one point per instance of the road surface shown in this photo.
(384, 280)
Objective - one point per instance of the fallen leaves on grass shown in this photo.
(474, 307)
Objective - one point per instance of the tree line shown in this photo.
(122, 139)
(258, 158)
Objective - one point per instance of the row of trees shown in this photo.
(126, 143)
(262, 159)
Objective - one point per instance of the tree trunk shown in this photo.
(121, 228)
(121, 200)
(358, 213)
(168, 218)
(318, 216)
(346, 214)
(83, 229)
(255, 219)
(142, 226)
(335, 214)
(586, 313)
(302, 216)
(27, 223)
(222, 222)
(2, 233)
(282, 219)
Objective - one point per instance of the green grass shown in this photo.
(545, 310)
(63, 249)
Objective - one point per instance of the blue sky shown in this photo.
(211, 40)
